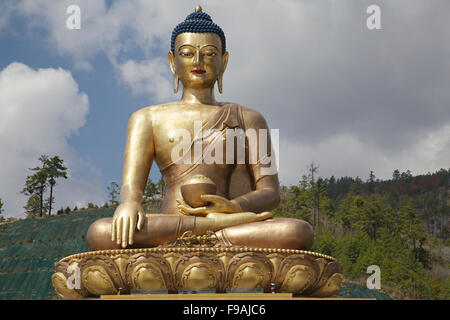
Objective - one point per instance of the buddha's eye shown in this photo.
(210, 54)
(186, 54)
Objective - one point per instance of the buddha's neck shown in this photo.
(201, 96)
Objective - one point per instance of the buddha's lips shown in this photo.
(198, 71)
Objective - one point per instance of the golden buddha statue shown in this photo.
(215, 229)
(239, 212)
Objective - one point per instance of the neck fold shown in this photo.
(200, 96)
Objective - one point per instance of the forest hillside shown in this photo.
(400, 225)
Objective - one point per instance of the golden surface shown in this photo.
(199, 249)
(232, 241)
(244, 195)
(193, 192)
(63, 291)
(173, 268)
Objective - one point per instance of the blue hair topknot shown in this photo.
(197, 22)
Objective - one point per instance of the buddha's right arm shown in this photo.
(138, 159)
(138, 156)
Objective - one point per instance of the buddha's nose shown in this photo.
(197, 58)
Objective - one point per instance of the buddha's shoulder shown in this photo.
(252, 116)
(249, 115)
(151, 110)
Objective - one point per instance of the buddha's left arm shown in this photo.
(262, 167)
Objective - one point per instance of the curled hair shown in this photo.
(197, 22)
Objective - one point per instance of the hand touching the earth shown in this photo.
(128, 217)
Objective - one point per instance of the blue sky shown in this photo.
(348, 98)
(102, 139)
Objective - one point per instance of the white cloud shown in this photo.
(341, 153)
(5, 13)
(351, 99)
(113, 31)
(349, 156)
(39, 110)
(147, 77)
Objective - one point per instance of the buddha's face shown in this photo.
(198, 60)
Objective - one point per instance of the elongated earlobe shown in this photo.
(175, 83)
(225, 57)
(219, 83)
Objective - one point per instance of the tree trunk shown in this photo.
(318, 209)
(41, 200)
(50, 202)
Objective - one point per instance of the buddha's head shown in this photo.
(198, 55)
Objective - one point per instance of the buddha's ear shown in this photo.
(225, 57)
(224, 66)
(171, 62)
(172, 67)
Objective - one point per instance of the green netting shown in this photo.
(353, 290)
(30, 247)
(23, 285)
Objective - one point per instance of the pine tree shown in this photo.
(151, 189)
(371, 182)
(161, 187)
(314, 196)
(37, 183)
(1, 211)
(114, 192)
(55, 169)
(396, 175)
(33, 206)
(411, 223)
(44, 176)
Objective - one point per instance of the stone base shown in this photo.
(223, 297)
(106, 272)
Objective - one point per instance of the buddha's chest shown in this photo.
(185, 137)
